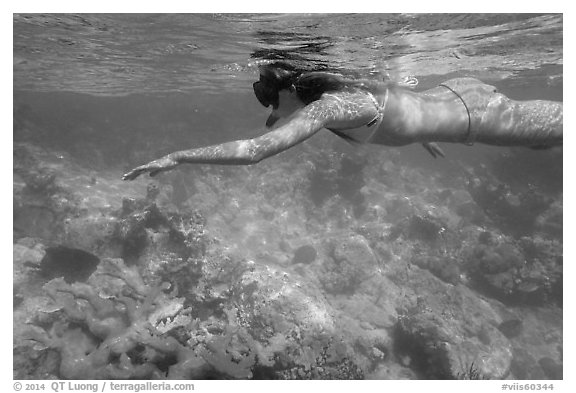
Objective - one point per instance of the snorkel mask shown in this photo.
(273, 78)
(266, 92)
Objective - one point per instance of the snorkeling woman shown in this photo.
(461, 110)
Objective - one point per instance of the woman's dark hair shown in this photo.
(309, 85)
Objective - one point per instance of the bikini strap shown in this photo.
(470, 134)
(379, 109)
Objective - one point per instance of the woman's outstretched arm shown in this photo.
(347, 108)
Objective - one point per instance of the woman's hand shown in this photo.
(154, 167)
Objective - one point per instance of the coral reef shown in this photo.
(340, 271)
(118, 326)
(122, 335)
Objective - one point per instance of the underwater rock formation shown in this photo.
(27, 255)
(551, 221)
(351, 262)
(149, 236)
(293, 324)
(444, 267)
(39, 200)
(446, 331)
(515, 211)
(418, 227)
(517, 273)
